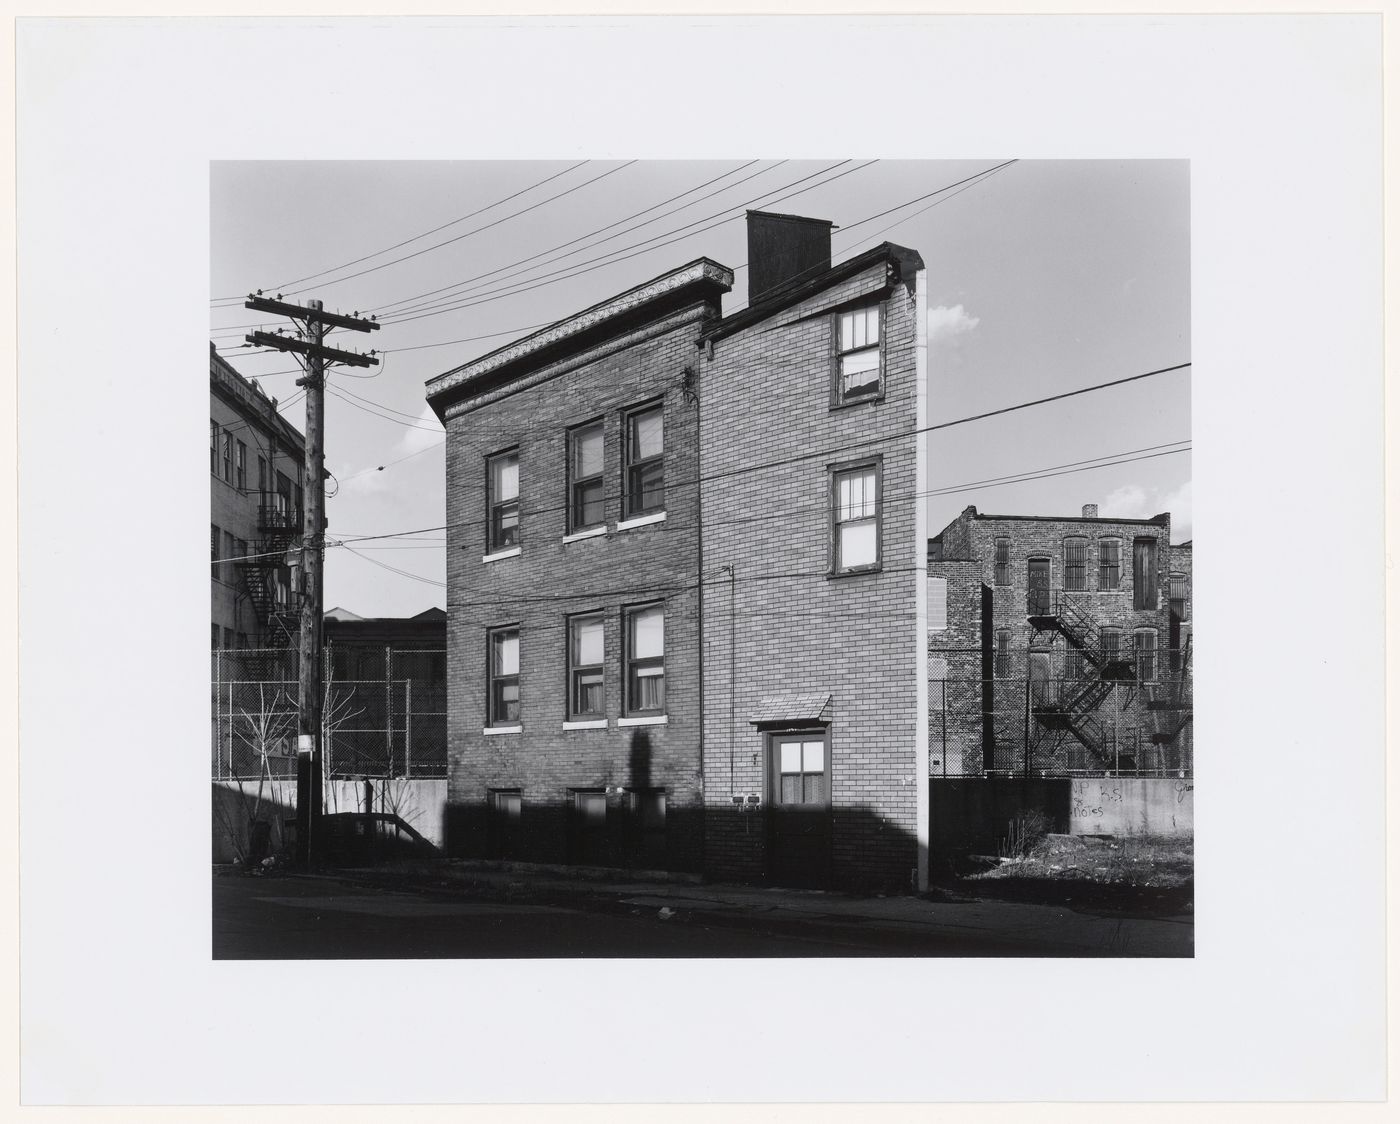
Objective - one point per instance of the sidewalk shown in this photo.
(941, 923)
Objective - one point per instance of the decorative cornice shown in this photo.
(694, 314)
(700, 270)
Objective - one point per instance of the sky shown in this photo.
(1043, 277)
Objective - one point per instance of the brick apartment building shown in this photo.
(686, 581)
(1059, 647)
(255, 499)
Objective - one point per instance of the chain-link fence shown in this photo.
(1048, 727)
(389, 721)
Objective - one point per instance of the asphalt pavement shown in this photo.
(500, 913)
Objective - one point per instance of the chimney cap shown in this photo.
(788, 218)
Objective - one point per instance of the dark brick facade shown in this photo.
(987, 714)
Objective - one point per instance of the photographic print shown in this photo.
(762, 557)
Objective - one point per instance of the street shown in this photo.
(295, 918)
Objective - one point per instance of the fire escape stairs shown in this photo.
(1069, 704)
(278, 527)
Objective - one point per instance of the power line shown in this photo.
(616, 256)
(444, 226)
(469, 233)
(517, 265)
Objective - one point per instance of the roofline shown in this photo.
(698, 271)
(791, 294)
(1157, 520)
(271, 418)
(790, 218)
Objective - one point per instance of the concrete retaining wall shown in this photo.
(417, 802)
(1132, 806)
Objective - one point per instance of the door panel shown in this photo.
(799, 811)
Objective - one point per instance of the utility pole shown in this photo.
(310, 690)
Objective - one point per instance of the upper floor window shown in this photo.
(503, 502)
(644, 481)
(1002, 667)
(262, 474)
(228, 457)
(1145, 654)
(586, 666)
(503, 706)
(1145, 573)
(1002, 575)
(937, 604)
(213, 446)
(1110, 564)
(214, 549)
(1076, 564)
(855, 515)
(858, 354)
(586, 476)
(1176, 593)
(231, 553)
(1110, 642)
(241, 467)
(645, 631)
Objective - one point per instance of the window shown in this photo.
(240, 548)
(213, 446)
(1176, 595)
(858, 355)
(1003, 654)
(228, 638)
(586, 476)
(1003, 561)
(644, 484)
(503, 482)
(937, 604)
(1110, 643)
(802, 770)
(1144, 573)
(937, 682)
(1076, 564)
(230, 553)
(1072, 664)
(504, 702)
(214, 636)
(1110, 566)
(586, 667)
(214, 550)
(242, 639)
(262, 474)
(1145, 654)
(228, 457)
(645, 629)
(856, 518)
(241, 467)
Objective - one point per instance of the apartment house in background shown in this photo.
(1059, 647)
(256, 462)
(684, 625)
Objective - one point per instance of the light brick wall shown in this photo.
(766, 395)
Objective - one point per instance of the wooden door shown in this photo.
(799, 809)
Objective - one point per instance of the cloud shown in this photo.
(1132, 501)
(425, 433)
(945, 323)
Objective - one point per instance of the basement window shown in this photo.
(858, 355)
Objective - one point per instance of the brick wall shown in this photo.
(550, 579)
(766, 395)
(982, 607)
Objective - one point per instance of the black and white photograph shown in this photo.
(702, 591)
(761, 557)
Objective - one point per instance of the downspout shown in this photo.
(921, 730)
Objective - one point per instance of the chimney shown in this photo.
(784, 249)
(1091, 511)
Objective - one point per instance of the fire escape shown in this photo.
(267, 576)
(1068, 707)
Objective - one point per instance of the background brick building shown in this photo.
(1064, 646)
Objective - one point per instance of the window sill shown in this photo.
(588, 724)
(641, 521)
(866, 400)
(511, 553)
(644, 720)
(855, 573)
(501, 729)
(591, 533)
